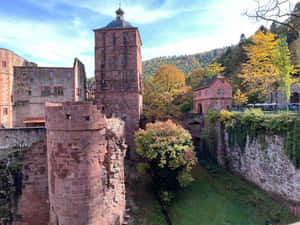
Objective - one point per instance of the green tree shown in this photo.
(168, 151)
(284, 68)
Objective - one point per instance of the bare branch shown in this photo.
(274, 11)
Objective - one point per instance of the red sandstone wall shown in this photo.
(119, 82)
(85, 167)
(213, 99)
(33, 205)
(6, 79)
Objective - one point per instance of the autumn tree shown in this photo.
(168, 153)
(239, 98)
(258, 74)
(195, 77)
(213, 69)
(161, 91)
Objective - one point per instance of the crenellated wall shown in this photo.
(85, 166)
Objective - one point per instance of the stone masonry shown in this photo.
(268, 167)
(33, 86)
(8, 60)
(85, 166)
(118, 63)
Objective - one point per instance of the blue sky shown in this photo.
(53, 32)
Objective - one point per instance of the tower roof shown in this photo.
(118, 23)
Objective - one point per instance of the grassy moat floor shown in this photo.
(215, 198)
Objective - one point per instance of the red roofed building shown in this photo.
(213, 92)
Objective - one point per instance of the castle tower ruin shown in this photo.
(118, 64)
(85, 165)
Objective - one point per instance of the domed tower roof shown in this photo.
(118, 23)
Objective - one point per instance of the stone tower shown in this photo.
(118, 67)
(85, 165)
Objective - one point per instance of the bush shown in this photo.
(168, 151)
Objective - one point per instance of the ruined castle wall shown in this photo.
(24, 186)
(33, 86)
(85, 166)
(7, 61)
(33, 204)
(20, 137)
(267, 165)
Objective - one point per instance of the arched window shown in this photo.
(295, 98)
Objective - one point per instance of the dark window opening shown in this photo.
(4, 64)
(31, 75)
(221, 91)
(114, 39)
(5, 111)
(45, 91)
(58, 91)
(29, 92)
(87, 118)
(125, 38)
(200, 111)
(51, 75)
(295, 98)
(68, 116)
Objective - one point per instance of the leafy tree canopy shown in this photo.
(169, 155)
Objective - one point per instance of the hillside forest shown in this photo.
(268, 61)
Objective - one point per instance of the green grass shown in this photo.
(219, 198)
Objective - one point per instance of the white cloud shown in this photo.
(43, 42)
(226, 16)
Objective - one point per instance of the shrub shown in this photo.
(168, 151)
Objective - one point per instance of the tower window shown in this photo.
(4, 64)
(125, 37)
(29, 92)
(103, 52)
(51, 75)
(124, 61)
(69, 75)
(31, 75)
(114, 37)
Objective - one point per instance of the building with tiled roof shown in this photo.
(213, 92)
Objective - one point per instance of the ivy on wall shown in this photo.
(254, 124)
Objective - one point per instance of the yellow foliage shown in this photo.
(214, 68)
(259, 73)
(239, 98)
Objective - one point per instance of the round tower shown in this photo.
(85, 166)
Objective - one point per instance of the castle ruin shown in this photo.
(73, 171)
